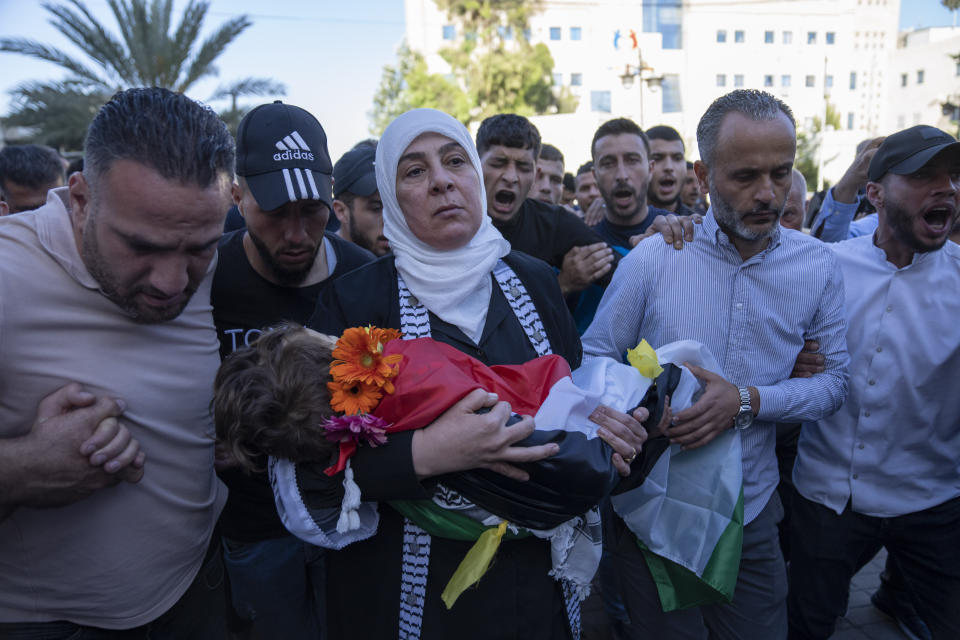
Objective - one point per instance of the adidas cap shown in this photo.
(282, 154)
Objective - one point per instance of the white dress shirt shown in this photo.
(894, 446)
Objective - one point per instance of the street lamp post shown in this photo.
(645, 74)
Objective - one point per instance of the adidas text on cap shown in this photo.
(282, 155)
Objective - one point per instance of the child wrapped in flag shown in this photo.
(303, 397)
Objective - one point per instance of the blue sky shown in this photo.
(329, 53)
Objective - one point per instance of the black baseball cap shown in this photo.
(354, 172)
(909, 150)
(282, 154)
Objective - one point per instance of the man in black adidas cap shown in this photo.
(882, 471)
(273, 271)
(357, 203)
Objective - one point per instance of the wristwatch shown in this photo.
(744, 417)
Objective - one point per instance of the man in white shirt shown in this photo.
(883, 470)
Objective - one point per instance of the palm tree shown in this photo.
(245, 87)
(146, 53)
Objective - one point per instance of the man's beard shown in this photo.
(360, 240)
(669, 205)
(640, 198)
(901, 222)
(127, 301)
(284, 276)
(732, 223)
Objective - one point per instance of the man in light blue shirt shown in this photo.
(834, 222)
(751, 292)
(885, 469)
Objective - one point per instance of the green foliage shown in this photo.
(244, 87)
(953, 5)
(494, 69)
(148, 52)
(409, 85)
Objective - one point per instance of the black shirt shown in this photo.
(245, 303)
(516, 598)
(617, 235)
(548, 232)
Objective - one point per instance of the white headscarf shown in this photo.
(455, 285)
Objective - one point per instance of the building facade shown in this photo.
(665, 61)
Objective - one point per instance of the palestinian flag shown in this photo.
(688, 513)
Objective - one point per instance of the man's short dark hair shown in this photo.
(752, 103)
(689, 165)
(586, 167)
(568, 182)
(30, 165)
(663, 132)
(616, 127)
(508, 130)
(166, 131)
(550, 153)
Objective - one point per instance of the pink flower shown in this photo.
(359, 428)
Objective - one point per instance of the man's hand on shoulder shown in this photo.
(583, 265)
(76, 446)
(594, 213)
(674, 229)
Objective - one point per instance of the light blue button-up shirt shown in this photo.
(894, 446)
(753, 316)
(837, 221)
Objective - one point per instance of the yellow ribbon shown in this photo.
(474, 564)
(644, 359)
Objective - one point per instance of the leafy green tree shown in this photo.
(149, 51)
(409, 85)
(494, 68)
(953, 5)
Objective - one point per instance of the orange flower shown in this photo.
(359, 357)
(352, 398)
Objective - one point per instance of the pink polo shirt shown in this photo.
(123, 556)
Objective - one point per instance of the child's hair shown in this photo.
(270, 397)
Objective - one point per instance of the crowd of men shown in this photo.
(120, 294)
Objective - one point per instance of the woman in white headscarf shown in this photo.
(452, 277)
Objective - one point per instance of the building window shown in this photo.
(738, 80)
(449, 32)
(810, 81)
(671, 94)
(785, 81)
(738, 36)
(505, 32)
(721, 79)
(849, 121)
(575, 33)
(831, 37)
(787, 37)
(919, 76)
(576, 79)
(721, 35)
(853, 80)
(666, 18)
(903, 79)
(527, 34)
(828, 82)
(768, 37)
(557, 79)
(555, 33)
(768, 80)
(811, 37)
(600, 101)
